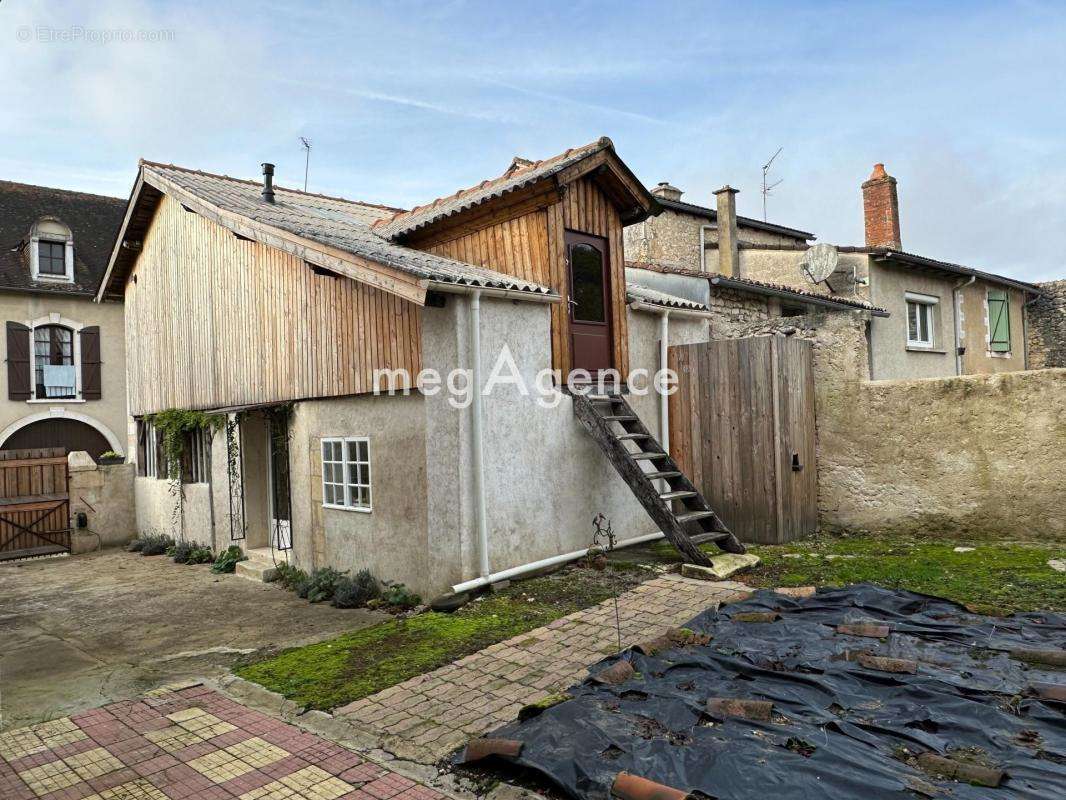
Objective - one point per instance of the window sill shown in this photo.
(998, 354)
(348, 508)
(52, 279)
(911, 348)
(56, 400)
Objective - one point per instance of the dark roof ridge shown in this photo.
(190, 170)
(74, 192)
(750, 222)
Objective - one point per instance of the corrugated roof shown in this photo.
(760, 287)
(637, 293)
(521, 173)
(332, 221)
(93, 220)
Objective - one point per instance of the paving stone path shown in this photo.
(426, 717)
(187, 744)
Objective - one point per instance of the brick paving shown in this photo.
(426, 717)
(187, 744)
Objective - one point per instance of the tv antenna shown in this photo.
(767, 188)
(307, 159)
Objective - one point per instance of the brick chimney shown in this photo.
(881, 210)
(666, 191)
(728, 245)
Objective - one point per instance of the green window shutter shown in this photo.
(998, 321)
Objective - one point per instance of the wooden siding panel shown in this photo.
(214, 321)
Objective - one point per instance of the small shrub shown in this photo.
(320, 584)
(200, 554)
(227, 560)
(155, 544)
(356, 592)
(289, 576)
(396, 595)
(135, 546)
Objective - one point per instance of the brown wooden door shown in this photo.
(742, 427)
(590, 314)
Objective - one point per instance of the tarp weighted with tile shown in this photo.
(839, 729)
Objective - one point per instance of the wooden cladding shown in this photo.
(742, 428)
(215, 321)
(531, 245)
(517, 247)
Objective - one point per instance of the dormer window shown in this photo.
(51, 251)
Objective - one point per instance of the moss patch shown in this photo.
(338, 671)
(993, 578)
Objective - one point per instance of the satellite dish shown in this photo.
(819, 262)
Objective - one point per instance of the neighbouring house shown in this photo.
(938, 318)
(65, 376)
(279, 309)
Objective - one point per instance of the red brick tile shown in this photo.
(113, 779)
(338, 763)
(247, 782)
(285, 766)
(364, 773)
(158, 763)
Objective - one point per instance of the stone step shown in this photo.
(256, 571)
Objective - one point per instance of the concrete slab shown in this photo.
(85, 630)
(722, 566)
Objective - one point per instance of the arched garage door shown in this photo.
(69, 433)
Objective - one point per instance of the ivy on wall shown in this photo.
(173, 427)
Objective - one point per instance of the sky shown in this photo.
(404, 102)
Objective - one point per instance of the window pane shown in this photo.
(912, 321)
(362, 449)
(924, 313)
(586, 267)
(327, 493)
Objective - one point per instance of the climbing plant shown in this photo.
(173, 426)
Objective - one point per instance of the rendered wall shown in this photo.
(105, 495)
(974, 326)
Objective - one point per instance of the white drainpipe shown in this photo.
(544, 563)
(476, 443)
(664, 399)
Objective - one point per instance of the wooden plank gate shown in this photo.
(34, 503)
(742, 427)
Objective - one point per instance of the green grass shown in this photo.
(334, 672)
(992, 579)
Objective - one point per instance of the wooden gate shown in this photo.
(34, 503)
(742, 428)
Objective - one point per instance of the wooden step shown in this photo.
(652, 476)
(692, 516)
(618, 418)
(648, 456)
(713, 536)
(632, 436)
(677, 495)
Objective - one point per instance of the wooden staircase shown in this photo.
(681, 512)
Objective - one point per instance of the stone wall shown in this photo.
(1047, 327)
(105, 495)
(733, 309)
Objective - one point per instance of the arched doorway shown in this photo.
(58, 432)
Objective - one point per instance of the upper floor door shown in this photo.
(590, 311)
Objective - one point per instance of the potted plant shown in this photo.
(110, 457)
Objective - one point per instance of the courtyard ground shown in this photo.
(81, 631)
(188, 743)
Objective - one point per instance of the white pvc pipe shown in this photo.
(478, 455)
(515, 572)
(664, 399)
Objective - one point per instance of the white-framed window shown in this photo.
(196, 457)
(51, 251)
(346, 473)
(921, 320)
(56, 346)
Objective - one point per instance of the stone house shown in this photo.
(942, 318)
(65, 382)
(327, 332)
(1047, 326)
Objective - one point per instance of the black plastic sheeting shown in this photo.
(839, 730)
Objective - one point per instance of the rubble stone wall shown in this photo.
(1047, 327)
